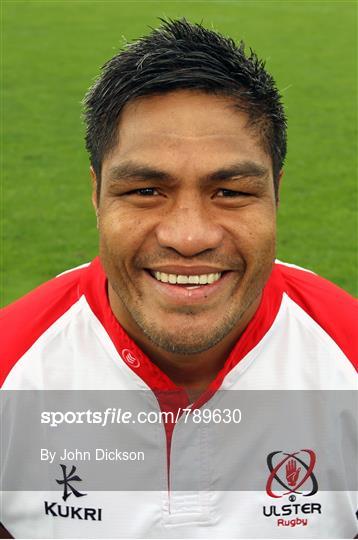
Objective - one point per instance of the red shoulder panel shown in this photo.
(24, 321)
(331, 307)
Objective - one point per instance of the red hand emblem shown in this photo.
(292, 472)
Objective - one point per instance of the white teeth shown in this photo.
(181, 279)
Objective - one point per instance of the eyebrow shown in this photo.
(245, 169)
(130, 170)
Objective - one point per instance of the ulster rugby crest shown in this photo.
(291, 475)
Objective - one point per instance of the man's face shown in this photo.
(186, 220)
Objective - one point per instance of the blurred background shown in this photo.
(52, 52)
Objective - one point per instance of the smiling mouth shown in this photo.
(188, 281)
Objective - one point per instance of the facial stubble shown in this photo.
(187, 340)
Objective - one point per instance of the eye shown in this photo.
(144, 192)
(231, 193)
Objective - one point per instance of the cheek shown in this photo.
(255, 235)
(122, 236)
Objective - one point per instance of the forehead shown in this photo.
(186, 127)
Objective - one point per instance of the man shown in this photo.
(187, 140)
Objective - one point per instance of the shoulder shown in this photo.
(333, 309)
(24, 321)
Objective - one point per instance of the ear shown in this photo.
(94, 192)
(279, 181)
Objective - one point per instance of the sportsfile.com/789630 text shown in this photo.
(114, 415)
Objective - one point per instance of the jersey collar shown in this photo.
(95, 289)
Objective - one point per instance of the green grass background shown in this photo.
(52, 51)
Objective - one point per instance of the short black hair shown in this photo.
(181, 55)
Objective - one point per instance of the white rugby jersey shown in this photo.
(64, 336)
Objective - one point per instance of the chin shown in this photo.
(188, 338)
(182, 347)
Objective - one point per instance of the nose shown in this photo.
(188, 227)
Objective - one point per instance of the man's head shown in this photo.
(187, 139)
